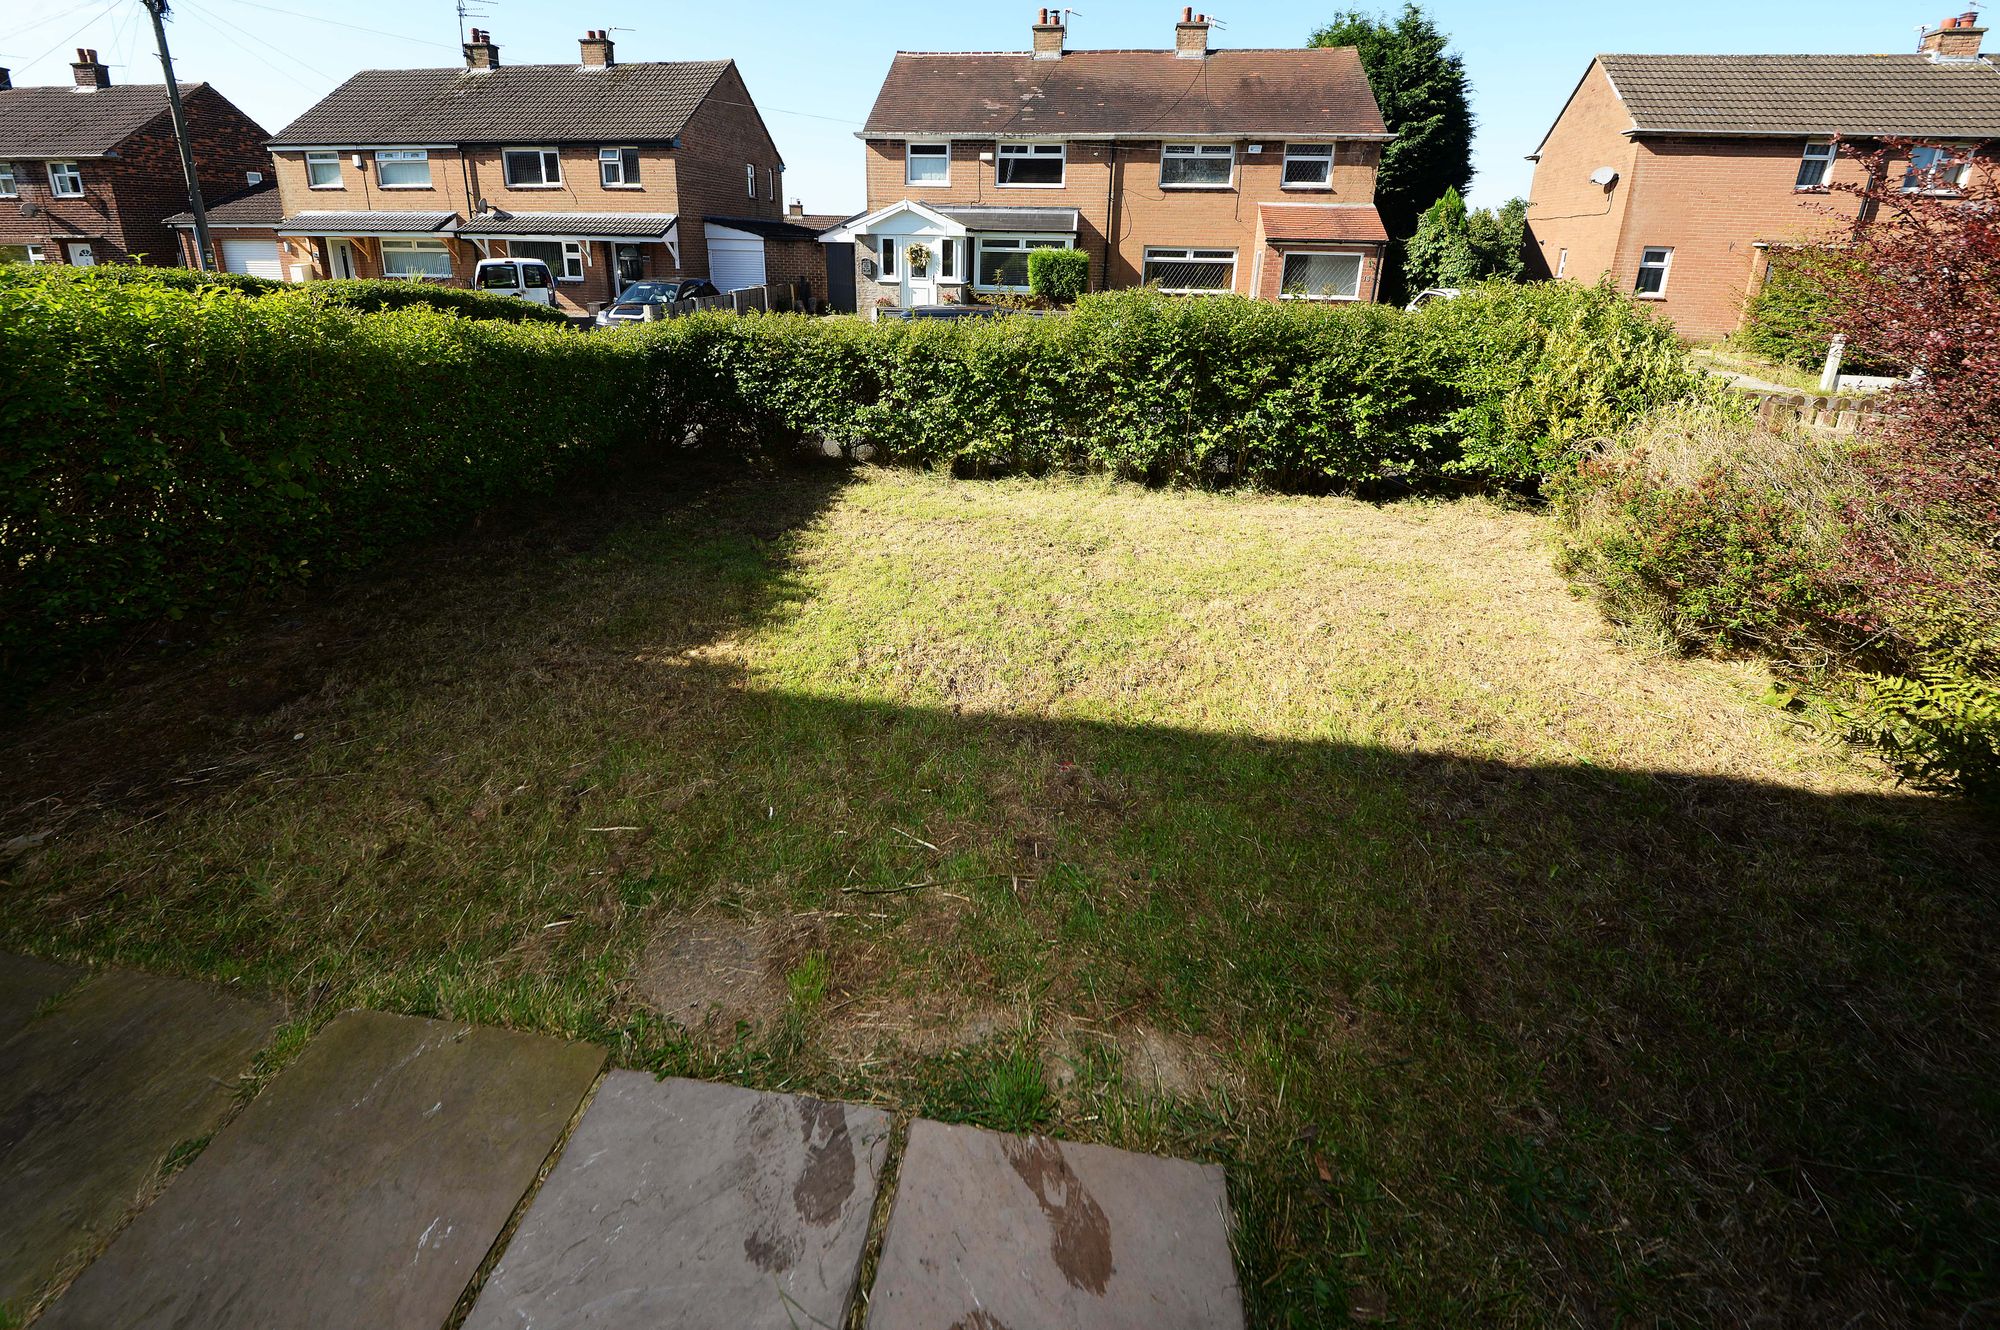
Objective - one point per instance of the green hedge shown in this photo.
(170, 444)
(355, 293)
(1502, 386)
(163, 449)
(1060, 275)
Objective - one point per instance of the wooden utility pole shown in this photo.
(203, 250)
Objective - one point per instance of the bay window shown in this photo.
(1309, 276)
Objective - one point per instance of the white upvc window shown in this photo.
(927, 163)
(887, 246)
(1191, 271)
(1815, 166)
(415, 259)
(35, 254)
(750, 179)
(1311, 275)
(323, 170)
(10, 186)
(65, 181)
(531, 168)
(1562, 261)
(618, 168)
(1937, 168)
(403, 168)
(1308, 166)
(948, 260)
(564, 258)
(1003, 260)
(1197, 165)
(1030, 165)
(1654, 262)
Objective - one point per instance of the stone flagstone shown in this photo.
(993, 1232)
(679, 1203)
(96, 1094)
(362, 1188)
(25, 984)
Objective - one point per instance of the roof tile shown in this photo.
(63, 122)
(1892, 96)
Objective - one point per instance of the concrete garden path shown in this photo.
(375, 1179)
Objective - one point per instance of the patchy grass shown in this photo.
(1516, 977)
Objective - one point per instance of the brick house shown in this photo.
(1196, 169)
(1676, 175)
(90, 173)
(607, 171)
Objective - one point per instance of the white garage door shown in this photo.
(735, 260)
(257, 258)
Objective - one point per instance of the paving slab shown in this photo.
(363, 1187)
(679, 1203)
(25, 984)
(96, 1094)
(993, 1232)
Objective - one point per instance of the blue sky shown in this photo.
(814, 65)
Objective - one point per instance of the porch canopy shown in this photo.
(648, 228)
(994, 240)
(368, 224)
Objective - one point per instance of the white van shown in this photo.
(524, 279)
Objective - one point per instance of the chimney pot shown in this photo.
(1049, 34)
(1954, 38)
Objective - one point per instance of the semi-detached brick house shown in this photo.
(1675, 175)
(90, 173)
(1195, 169)
(606, 171)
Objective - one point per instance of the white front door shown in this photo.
(920, 287)
(80, 255)
(340, 258)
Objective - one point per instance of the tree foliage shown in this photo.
(1456, 248)
(1426, 103)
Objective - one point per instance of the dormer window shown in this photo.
(1815, 166)
(531, 168)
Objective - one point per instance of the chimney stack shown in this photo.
(480, 52)
(1954, 39)
(6, 79)
(1049, 35)
(597, 46)
(88, 73)
(1191, 36)
(797, 209)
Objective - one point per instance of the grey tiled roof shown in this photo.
(774, 228)
(256, 206)
(511, 104)
(367, 223)
(1011, 219)
(63, 122)
(1796, 95)
(568, 224)
(1320, 91)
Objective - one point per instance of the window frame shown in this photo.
(1031, 151)
(1023, 243)
(37, 255)
(947, 251)
(750, 178)
(324, 157)
(886, 258)
(1562, 261)
(1817, 152)
(61, 171)
(415, 245)
(1189, 254)
(544, 158)
(1947, 152)
(10, 181)
(1307, 152)
(910, 157)
(403, 157)
(618, 157)
(568, 266)
(1198, 152)
(1360, 257)
(1665, 267)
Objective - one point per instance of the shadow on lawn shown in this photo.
(1519, 1043)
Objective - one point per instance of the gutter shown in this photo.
(1147, 136)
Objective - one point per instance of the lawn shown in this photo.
(1518, 978)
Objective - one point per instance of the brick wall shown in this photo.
(796, 260)
(1116, 224)
(1566, 212)
(128, 198)
(725, 135)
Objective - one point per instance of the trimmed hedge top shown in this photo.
(355, 293)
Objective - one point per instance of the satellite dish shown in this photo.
(1606, 176)
(31, 209)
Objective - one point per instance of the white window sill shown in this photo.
(1649, 295)
(328, 188)
(927, 184)
(1307, 189)
(415, 187)
(1200, 189)
(630, 187)
(556, 185)
(998, 185)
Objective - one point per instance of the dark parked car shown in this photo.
(631, 304)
